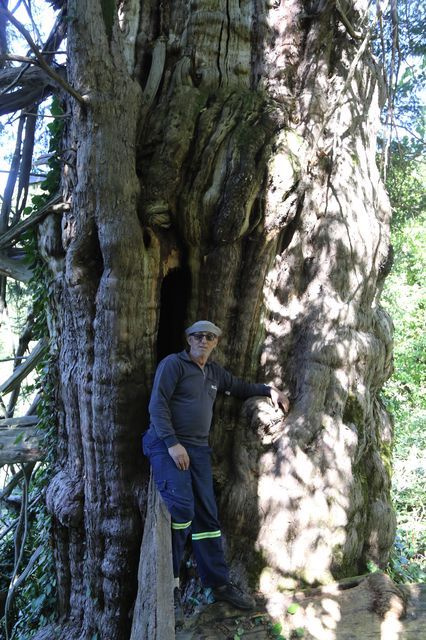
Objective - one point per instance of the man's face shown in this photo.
(201, 344)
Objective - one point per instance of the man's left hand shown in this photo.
(279, 399)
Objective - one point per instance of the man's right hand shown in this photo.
(180, 456)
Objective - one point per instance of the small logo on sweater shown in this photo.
(213, 386)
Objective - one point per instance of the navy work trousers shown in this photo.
(191, 502)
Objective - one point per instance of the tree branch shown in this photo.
(14, 268)
(357, 35)
(43, 64)
(14, 233)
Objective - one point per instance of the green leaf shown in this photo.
(372, 567)
(300, 632)
(293, 608)
(18, 439)
(276, 628)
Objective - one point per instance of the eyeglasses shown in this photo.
(208, 336)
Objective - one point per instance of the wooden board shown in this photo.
(153, 616)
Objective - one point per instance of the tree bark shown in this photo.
(223, 167)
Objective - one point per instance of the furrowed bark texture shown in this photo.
(223, 168)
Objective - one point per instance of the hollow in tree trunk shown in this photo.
(223, 167)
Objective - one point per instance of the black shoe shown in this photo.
(179, 617)
(231, 593)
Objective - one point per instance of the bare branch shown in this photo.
(20, 538)
(356, 35)
(14, 268)
(7, 490)
(30, 15)
(25, 368)
(43, 64)
(12, 76)
(26, 162)
(24, 341)
(13, 524)
(3, 39)
(13, 176)
(25, 573)
(15, 58)
(13, 234)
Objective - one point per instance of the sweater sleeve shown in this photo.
(166, 378)
(232, 386)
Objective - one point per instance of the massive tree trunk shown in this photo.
(223, 167)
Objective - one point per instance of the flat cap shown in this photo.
(203, 325)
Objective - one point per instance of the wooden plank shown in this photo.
(25, 368)
(20, 444)
(153, 615)
(22, 421)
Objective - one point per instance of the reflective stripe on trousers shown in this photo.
(190, 500)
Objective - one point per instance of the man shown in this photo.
(181, 407)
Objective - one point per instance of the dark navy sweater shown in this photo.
(181, 405)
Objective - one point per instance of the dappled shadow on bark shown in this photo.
(307, 497)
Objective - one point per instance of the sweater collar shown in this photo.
(185, 356)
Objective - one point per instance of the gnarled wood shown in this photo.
(224, 167)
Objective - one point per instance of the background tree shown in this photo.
(219, 161)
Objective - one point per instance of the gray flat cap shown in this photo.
(203, 325)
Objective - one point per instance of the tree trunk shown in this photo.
(223, 168)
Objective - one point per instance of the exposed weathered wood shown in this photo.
(33, 83)
(25, 368)
(16, 269)
(22, 421)
(56, 77)
(153, 615)
(14, 233)
(19, 444)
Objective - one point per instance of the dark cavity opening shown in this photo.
(175, 293)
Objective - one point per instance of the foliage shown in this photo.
(35, 603)
(400, 45)
(405, 298)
